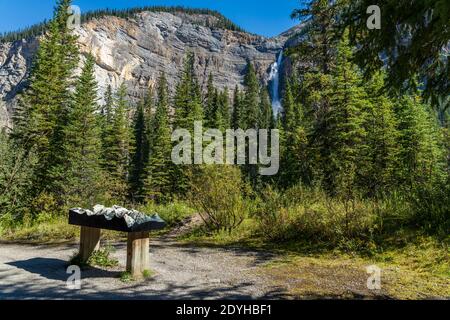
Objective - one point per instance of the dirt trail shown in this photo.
(181, 272)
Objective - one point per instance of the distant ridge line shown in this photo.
(39, 28)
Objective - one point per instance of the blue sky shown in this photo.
(263, 17)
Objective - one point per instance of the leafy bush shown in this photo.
(16, 166)
(218, 193)
(99, 258)
(102, 258)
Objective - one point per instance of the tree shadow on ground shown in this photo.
(52, 277)
(55, 269)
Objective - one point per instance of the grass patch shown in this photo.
(414, 265)
(102, 258)
(99, 258)
(52, 229)
(414, 273)
(148, 274)
(126, 277)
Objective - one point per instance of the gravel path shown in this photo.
(181, 272)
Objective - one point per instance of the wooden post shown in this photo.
(89, 242)
(138, 255)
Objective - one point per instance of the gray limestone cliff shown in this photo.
(136, 50)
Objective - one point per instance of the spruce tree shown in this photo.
(82, 145)
(210, 100)
(45, 104)
(105, 122)
(347, 134)
(222, 115)
(266, 119)
(250, 105)
(293, 153)
(188, 109)
(158, 184)
(421, 154)
(139, 155)
(237, 109)
(188, 106)
(381, 154)
(119, 145)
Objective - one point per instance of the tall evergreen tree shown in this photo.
(119, 145)
(250, 106)
(222, 115)
(381, 154)
(266, 118)
(139, 157)
(188, 109)
(210, 100)
(421, 154)
(82, 141)
(105, 120)
(318, 50)
(236, 118)
(45, 104)
(158, 184)
(347, 134)
(294, 155)
(188, 106)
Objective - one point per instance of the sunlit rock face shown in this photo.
(136, 50)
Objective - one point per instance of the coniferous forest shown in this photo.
(364, 146)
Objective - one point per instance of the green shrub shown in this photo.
(16, 168)
(218, 193)
(102, 258)
(99, 258)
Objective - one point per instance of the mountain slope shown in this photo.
(137, 49)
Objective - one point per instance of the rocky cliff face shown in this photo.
(136, 50)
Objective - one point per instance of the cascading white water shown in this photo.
(275, 78)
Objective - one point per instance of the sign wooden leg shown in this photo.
(89, 242)
(138, 255)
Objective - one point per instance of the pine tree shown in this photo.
(236, 118)
(45, 104)
(139, 157)
(250, 106)
(188, 109)
(266, 120)
(294, 155)
(188, 106)
(210, 100)
(158, 185)
(82, 141)
(222, 115)
(347, 134)
(119, 145)
(148, 108)
(380, 156)
(421, 154)
(318, 48)
(250, 116)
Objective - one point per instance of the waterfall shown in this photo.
(275, 78)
